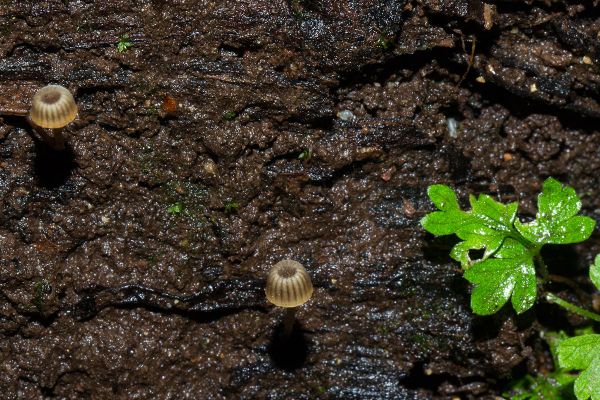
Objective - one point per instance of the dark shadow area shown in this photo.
(418, 379)
(522, 104)
(16, 121)
(489, 327)
(460, 166)
(87, 309)
(438, 249)
(392, 65)
(53, 167)
(461, 287)
(288, 353)
(476, 254)
(563, 260)
(552, 316)
(201, 307)
(526, 383)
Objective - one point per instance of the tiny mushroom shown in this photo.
(53, 107)
(288, 286)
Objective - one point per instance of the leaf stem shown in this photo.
(572, 307)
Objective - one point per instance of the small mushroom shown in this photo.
(53, 107)
(288, 286)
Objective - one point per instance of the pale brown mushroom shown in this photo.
(53, 107)
(288, 286)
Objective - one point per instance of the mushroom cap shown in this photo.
(53, 106)
(288, 284)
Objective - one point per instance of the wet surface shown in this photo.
(229, 135)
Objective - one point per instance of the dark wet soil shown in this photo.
(231, 134)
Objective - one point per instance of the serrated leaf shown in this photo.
(583, 353)
(595, 272)
(484, 227)
(556, 221)
(493, 214)
(557, 200)
(489, 242)
(510, 275)
(442, 223)
(579, 351)
(587, 385)
(443, 197)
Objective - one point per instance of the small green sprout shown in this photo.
(511, 249)
(229, 115)
(231, 206)
(175, 208)
(305, 155)
(41, 289)
(123, 43)
(384, 43)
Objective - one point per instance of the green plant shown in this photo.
(582, 353)
(510, 267)
(41, 289)
(305, 155)
(511, 248)
(542, 387)
(123, 43)
(557, 384)
(229, 115)
(384, 42)
(231, 206)
(175, 208)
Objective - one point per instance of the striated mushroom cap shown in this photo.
(53, 106)
(288, 284)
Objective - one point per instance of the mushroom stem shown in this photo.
(59, 141)
(288, 321)
(54, 140)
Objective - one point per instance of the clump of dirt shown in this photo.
(228, 135)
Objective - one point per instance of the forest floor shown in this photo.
(216, 138)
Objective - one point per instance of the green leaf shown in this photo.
(510, 275)
(554, 339)
(493, 214)
(588, 384)
(556, 221)
(484, 227)
(595, 272)
(443, 197)
(442, 223)
(124, 43)
(489, 242)
(583, 353)
(557, 200)
(175, 208)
